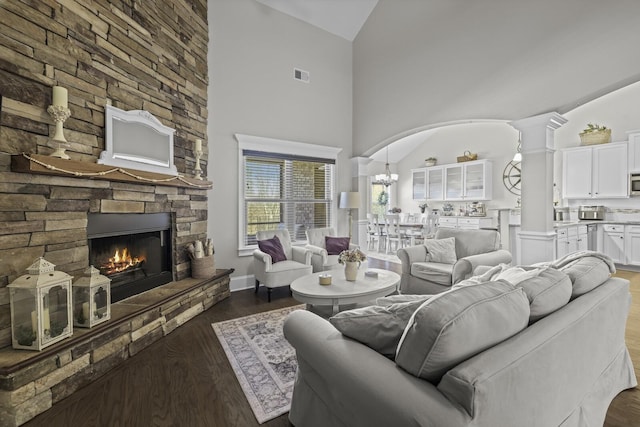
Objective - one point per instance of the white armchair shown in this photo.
(275, 274)
(320, 258)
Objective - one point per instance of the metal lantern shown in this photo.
(91, 299)
(40, 307)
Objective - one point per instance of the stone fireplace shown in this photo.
(73, 222)
(104, 53)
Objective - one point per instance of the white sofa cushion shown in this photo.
(586, 274)
(455, 325)
(547, 291)
(433, 271)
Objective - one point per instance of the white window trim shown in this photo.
(272, 145)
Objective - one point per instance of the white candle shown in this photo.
(45, 319)
(60, 97)
(198, 145)
(34, 322)
(85, 311)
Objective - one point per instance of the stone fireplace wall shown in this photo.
(129, 53)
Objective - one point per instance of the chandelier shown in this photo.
(387, 178)
(518, 156)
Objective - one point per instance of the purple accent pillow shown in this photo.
(273, 247)
(335, 245)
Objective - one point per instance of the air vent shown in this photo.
(301, 75)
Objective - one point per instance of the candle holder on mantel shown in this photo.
(59, 111)
(40, 307)
(91, 299)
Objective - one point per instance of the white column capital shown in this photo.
(359, 166)
(537, 131)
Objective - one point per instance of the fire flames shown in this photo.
(121, 261)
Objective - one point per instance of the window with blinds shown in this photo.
(286, 191)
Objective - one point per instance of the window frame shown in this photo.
(284, 148)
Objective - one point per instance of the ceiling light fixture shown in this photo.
(387, 178)
(518, 156)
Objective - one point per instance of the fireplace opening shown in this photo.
(133, 250)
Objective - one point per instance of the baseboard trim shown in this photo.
(240, 283)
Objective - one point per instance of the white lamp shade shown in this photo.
(349, 200)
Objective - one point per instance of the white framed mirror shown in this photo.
(136, 139)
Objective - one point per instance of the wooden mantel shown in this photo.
(47, 165)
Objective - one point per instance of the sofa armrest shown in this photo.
(300, 254)
(410, 255)
(263, 259)
(361, 394)
(464, 267)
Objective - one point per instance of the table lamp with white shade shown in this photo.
(349, 200)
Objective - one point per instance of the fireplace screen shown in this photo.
(133, 250)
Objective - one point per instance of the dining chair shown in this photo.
(375, 234)
(393, 232)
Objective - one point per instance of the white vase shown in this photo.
(351, 270)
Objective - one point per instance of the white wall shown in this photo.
(253, 50)
(423, 62)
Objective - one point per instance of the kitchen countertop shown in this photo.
(561, 224)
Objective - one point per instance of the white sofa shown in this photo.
(563, 369)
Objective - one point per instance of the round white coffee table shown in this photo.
(307, 289)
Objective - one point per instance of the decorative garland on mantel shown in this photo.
(117, 169)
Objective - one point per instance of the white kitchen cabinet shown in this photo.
(582, 243)
(563, 245)
(419, 184)
(571, 239)
(634, 151)
(632, 242)
(464, 222)
(468, 181)
(595, 172)
(435, 183)
(613, 242)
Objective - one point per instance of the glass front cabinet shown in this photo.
(468, 181)
(418, 184)
(455, 182)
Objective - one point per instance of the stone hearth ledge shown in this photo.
(31, 382)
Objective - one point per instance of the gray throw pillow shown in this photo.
(442, 250)
(455, 325)
(375, 326)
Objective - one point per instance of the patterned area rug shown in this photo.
(262, 359)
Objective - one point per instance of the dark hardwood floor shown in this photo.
(185, 378)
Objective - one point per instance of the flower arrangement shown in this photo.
(351, 255)
(594, 127)
(595, 134)
(423, 205)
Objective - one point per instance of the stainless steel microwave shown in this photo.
(634, 184)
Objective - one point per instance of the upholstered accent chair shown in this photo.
(434, 266)
(297, 262)
(321, 259)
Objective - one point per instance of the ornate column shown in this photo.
(537, 235)
(360, 183)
